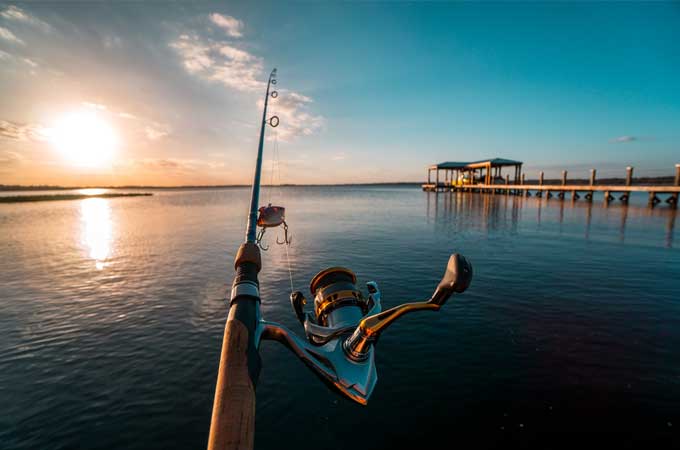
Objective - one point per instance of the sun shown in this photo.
(84, 139)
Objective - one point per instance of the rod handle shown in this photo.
(232, 426)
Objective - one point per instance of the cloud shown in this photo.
(9, 160)
(161, 164)
(125, 115)
(5, 55)
(112, 42)
(22, 132)
(222, 62)
(19, 15)
(339, 157)
(232, 26)
(9, 36)
(30, 62)
(97, 106)
(219, 62)
(622, 139)
(295, 120)
(153, 133)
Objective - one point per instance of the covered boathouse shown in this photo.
(461, 174)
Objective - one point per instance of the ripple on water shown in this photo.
(113, 312)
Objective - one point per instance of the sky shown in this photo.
(155, 93)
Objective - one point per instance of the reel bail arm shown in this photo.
(457, 278)
(345, 325)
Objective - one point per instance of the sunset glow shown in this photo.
(84, 139)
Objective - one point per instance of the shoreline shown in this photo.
(61, 197)
(665, 180)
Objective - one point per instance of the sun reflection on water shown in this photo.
(92, 191)
(97, 230)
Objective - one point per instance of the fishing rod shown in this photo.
(341, 331)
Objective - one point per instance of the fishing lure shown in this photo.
(272, 216)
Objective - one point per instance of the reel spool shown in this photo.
(336, 297)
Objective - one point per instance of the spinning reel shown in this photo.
(344, 326)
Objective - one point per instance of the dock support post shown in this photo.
(540, 178)
(507, 182)
(653, 199)
(607, 197)
(564, 178)
(629, 181)
(673, 199)
(574, 195)
(593, 172)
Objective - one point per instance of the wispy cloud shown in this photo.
(162, 164)
(220, 62)
(129, 116)
(9, 36)
(21, 132)
(176, 166)
(231, 25)
(339, 156)
(112, 42)
(19, 15)
(153, 133)
(97, 106)
(9, 160)
(622, 139)
(295, 118)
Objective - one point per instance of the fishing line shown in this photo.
(277, 159)
(290, 271)
(275, 182)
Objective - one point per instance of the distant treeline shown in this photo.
(59, 197)
(667, 180)
(16, 187)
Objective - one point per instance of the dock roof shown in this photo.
(494, 162)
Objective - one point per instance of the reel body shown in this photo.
(343, 328)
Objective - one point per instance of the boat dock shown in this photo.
(485, 176)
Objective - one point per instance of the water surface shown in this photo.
(112, 312)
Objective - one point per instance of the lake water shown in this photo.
(112, 313)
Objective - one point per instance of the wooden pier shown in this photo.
(611, 192)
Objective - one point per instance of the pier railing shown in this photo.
(539, 189)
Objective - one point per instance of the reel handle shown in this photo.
(457, 278)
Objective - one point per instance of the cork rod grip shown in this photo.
(233, 419)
